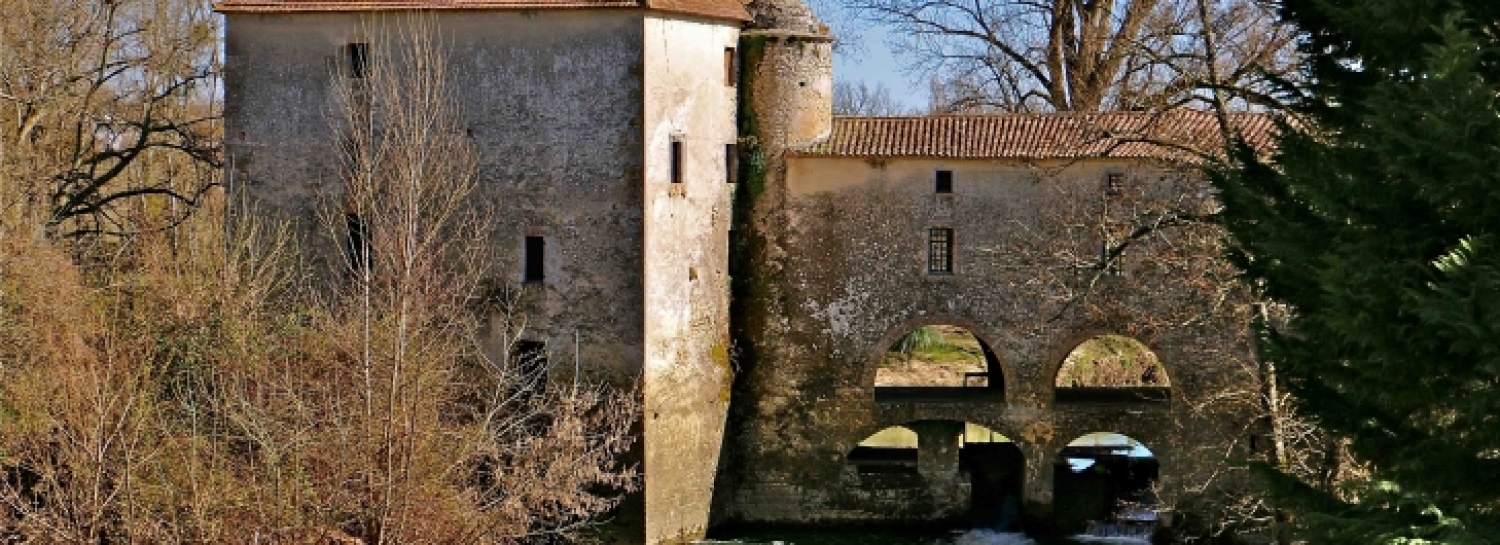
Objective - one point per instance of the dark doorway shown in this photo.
(996, 471)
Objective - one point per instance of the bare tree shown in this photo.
(862, 99)
(112, 116)
(192, 385)
(1086, 55)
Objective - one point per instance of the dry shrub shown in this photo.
(200, 385)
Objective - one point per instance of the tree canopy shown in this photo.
(1085, 55)
(1377, 221)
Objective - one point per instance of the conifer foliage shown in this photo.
(1377, 221)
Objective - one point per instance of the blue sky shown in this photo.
(869, 57)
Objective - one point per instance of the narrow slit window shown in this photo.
(731, 67)
(731, 163)
(944, 181)
(1114, 184)
(357, 244)
(357, 59)
(535, 253)
(676, 161)
(940, 250)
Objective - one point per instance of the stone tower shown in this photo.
(788, 72)
(786, 103)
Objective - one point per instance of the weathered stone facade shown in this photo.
(574, 115)
(574, 112)
(843, 244)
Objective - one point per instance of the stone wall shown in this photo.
(690, 101)
(848, 276)
(552, 101)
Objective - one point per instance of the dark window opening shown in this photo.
(731, 67)
(357, 244)
(535, 251)
(357, 59)
(731, 163)
(1111, 264)
(944, 181)
(1114, 184)
(940, 250)
(676, 161)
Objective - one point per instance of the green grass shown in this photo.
(943, 345)
(1111, 361)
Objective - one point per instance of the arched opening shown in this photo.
(891, 450)
(964, 463)
(939, 363)
(997, 473)
(1112, 369)
(1104, 484)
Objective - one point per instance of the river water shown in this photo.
(973, 537)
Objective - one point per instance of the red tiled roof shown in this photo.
(1173, 135)
(714, 9)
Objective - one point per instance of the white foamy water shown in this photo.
(990, 537)
(1085, 538)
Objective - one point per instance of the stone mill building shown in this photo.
(683, 209)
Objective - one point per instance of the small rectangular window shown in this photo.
(944, 181)
(1111, 265)
(1114, 184)
(357, 244)
(535, 252)
(940, 250)
(731, 67)
(731, 163)
(357, 59)
(676, 161)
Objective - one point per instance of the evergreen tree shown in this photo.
(1377, 220)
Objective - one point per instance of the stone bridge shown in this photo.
(851, 241)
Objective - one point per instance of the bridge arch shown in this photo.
(981, 473)
(995, 364)
(1098, 365)
(1107, 483)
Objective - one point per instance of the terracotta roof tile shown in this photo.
(1173, 135)
(715, 9)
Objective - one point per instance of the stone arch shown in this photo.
(995, 361)
(887, 448)
(1058, 355)
(1106, 483)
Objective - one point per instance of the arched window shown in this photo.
(939, 363)
(1112, 369)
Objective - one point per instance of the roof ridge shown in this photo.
(1182, 135)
